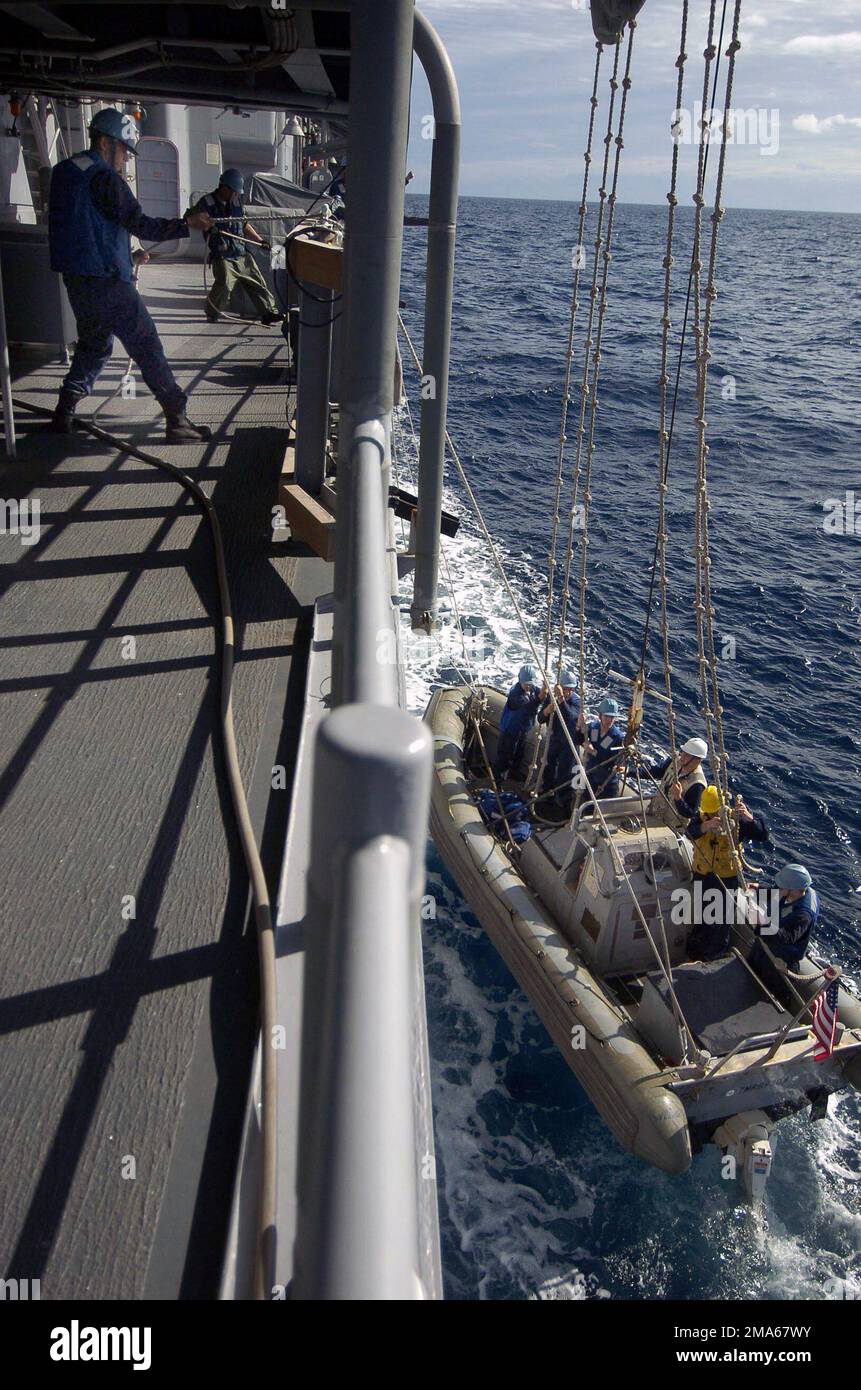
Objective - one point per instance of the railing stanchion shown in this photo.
(359, 1169)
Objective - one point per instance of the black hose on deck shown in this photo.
(259, 889)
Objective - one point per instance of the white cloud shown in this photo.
(814, 125)
(838, 44)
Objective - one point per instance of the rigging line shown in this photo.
(660, 558)
(518, 613)
(680, 1019)
(704, 158)
(696, 266)
(705, 354)
(584, 384)
(596, 357)
(469, 680)
(569, 356)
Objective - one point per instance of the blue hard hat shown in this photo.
(794, 876)
(117, 125)
(567, 677)
(234, 180)
(609, 706)
(529, 674)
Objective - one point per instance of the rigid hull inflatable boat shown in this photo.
(673, 1053)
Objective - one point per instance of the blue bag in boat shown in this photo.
(514, 810)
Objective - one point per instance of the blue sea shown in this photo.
(537, 1200)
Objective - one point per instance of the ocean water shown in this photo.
(537, 1200)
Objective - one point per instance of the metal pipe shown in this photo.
(442, 223)
(6, 379)
(357, 1229)
(99, 88)
(380, 72)
(312, 385)
(829, 979)
(368, 638)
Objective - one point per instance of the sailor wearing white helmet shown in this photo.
(518, 717)
(680, 790)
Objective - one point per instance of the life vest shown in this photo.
(602, 745)
(713, 853)
(224, 247)
(793, 951)
(82, 240)
(662, 805)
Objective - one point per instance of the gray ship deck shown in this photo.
(131, 1038)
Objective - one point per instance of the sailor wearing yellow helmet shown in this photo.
(716, 867)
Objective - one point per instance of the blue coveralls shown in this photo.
(92, 214)
(601, 768)
(517, 719)
(559, 767)
(798, 921)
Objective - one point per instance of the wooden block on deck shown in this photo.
(309, 517)
(318, 262)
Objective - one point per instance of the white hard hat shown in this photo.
(696, 748)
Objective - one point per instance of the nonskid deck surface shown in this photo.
(126, 1038)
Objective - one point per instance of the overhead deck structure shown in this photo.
(349, 1209)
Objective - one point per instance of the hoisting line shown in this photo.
(690, 1041)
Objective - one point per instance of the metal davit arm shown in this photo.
(442, 223)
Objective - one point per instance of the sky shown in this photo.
(525, 68)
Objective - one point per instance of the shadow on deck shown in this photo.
(128, 967)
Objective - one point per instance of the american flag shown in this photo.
(824, 1015)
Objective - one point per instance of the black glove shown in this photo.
(266, 246)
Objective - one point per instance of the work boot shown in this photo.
(268, 319)
(63, 419)
(180, 430)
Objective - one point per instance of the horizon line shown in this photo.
(514, 198)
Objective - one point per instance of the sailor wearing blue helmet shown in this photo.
(797, 920)
(604, 741)
(518, 717)
(559, 767)
(92, 216)
(231, 262)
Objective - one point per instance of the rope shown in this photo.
(663, 435)
(707, 656)
(569, 357)
(590, 450)
(518, 612)
(680, 1018)
(584, 384)
(679, 362)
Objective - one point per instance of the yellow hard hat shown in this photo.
(711, 801)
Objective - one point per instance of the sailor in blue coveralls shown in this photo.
(799, 917)
(604, 740)
(518, 717)
(92, 215)
(559, 767)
